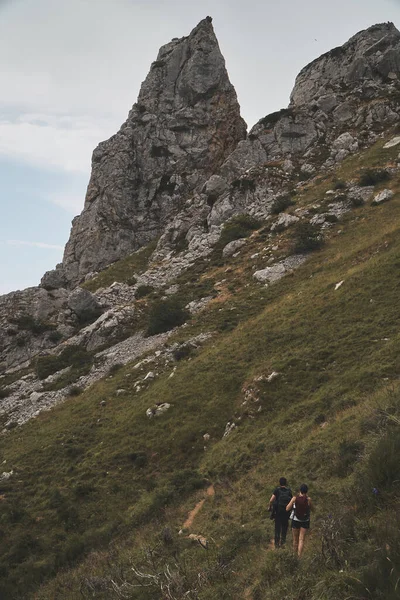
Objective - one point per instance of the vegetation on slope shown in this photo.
(100, 491)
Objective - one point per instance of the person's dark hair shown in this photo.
(282, 481)
(304, 488)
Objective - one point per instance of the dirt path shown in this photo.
(192, 515)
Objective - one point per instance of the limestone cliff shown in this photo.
(184, 125)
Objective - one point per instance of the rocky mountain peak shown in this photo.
(369, 58)
(184, 125)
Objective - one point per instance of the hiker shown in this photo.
(278, 502)
(300, 507)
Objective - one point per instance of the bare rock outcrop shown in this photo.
(184, 125)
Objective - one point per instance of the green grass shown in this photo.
(96, 469)
(123, 270)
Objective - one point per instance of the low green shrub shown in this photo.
(244, 185)
(28, 323)
(143, 290)
(71, 356)
(4, 392)
(281, 203)
(373, 177)
(306, 238)
(339, 185)
(238, 227)
(165, 315)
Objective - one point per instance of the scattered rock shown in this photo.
(4, 476)
(157, 410)
(338, 285)
(233, 247)
(229, 428)
(199, 539)
(383, 196)
(393, 142)
(272, 376)
(277, 271)
(284, 220)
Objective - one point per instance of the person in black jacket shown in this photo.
(280, 498)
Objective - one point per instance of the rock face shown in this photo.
(184, 125)
(369, 59)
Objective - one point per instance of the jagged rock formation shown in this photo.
(184, 125)
(180, 167)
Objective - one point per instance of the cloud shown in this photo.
(61, 142)
(35, 244)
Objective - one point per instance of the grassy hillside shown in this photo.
(100, 492)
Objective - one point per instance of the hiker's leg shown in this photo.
(278, 525)
(295, 533)
(303, 532)
(285, 525)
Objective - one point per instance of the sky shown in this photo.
(70, 72)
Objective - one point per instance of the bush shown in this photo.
(237, 228)
(271, 119)
(71, 356)
(165, 315)
(55, 336)
(75, 390)
(143, 290)
(374, 176)
(244, 185)
(281, 203)
(307, 238)
(4, 392)
(28, 323)
(339, 185)
(182, 352)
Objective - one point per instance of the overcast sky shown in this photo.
(71, 70)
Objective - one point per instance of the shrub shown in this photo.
(182, 352)
(4, 392)
(329, 218)
(339, 185)
(143, 290)
(28, 323)
(306, 238)
(115, 368)
(244, 185)
(71, 356)
(55, 336)
(237, 228)
(139, 459)
(75, 390)
(165, 315)
(374, 176)
(274, 117)
(281, 203)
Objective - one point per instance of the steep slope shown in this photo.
(98, 469)
(185, 123)
(240, 349)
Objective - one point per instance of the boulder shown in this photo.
(84, 304)
(233, 247)
(383, 196)
(284, 220)
(54, 279)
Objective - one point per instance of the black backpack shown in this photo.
(283, 497)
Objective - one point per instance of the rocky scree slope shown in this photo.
(180, 167)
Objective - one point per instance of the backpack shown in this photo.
(284, 495)
(302, 508)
